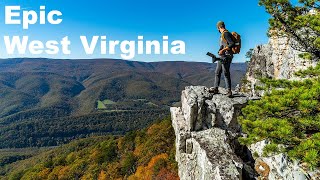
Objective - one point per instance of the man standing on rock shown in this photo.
(224, 60)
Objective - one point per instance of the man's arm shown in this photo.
(228, 37)
(231, 44)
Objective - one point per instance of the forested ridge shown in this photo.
(142, 154)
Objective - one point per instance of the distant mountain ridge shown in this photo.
(50, 90)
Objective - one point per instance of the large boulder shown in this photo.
(277, 60)
(279, 166)
(206, 130)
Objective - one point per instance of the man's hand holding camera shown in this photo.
(222, 51)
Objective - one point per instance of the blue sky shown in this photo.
(191, 21)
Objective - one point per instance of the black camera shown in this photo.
(214, 58)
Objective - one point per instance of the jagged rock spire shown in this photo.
(206, 129)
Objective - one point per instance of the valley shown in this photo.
(46, 102)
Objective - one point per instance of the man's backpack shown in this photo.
(236, 39)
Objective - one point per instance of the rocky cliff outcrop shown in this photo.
(207, 130)
(277, 60)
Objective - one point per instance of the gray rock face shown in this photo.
(205, 128)
(277, 60)
(279, 166)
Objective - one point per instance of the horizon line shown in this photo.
(73, 59)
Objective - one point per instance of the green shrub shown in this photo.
(289, 116)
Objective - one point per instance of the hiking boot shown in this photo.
(214, 90)
(229, 94)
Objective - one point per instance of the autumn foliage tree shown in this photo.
(142, 154)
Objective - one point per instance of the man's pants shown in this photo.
(223, 65)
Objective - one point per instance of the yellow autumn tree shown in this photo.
(147, 172)
(102, 175)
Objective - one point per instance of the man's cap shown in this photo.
(220, 23)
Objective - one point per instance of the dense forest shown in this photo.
(57, 131)
(142, 154)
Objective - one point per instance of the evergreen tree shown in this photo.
(249, 54)
(300, 21)
(288, 115)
